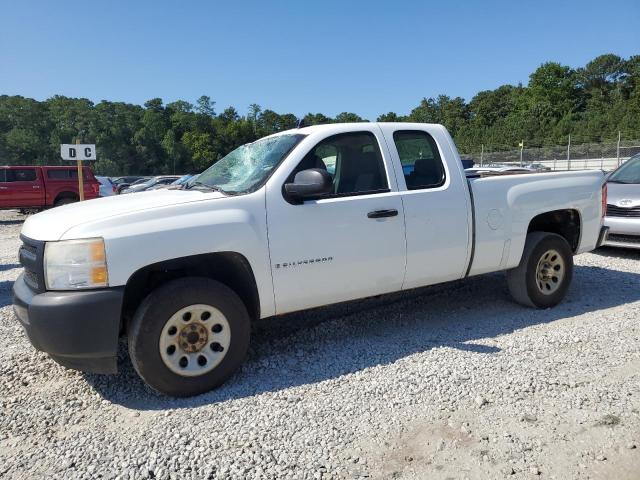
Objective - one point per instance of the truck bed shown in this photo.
(505, 204)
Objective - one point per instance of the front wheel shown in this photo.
(545, 271)
(188, 336)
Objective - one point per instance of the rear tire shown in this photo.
(545, 271)
(188, 336)
(64, 201)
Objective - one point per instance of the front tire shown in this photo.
(545, 271)
(188, 336)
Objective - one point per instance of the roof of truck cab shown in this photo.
(332, 126)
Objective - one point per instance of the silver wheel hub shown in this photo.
(550, 272)
(194, 340)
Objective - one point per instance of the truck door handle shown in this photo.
(383, 213)
(35, 186)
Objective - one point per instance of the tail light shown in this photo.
(113, 188)
(95, 187)
(604, 200)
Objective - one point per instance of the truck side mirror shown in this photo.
(309, 183)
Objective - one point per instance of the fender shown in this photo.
(230, 224)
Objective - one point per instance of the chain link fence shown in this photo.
(584, 156)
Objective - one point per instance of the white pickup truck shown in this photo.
(293, 221)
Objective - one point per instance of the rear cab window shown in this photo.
(422, 165)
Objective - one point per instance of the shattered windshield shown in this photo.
(247, 167)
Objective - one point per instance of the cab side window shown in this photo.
(21, 175)
(59, 174)
(353, 160)
(420, 159)
(3, 176)
(65, 174)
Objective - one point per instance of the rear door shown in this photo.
(436, 204)
(345, 245)
(21, 188)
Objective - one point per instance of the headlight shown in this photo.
(73, 264)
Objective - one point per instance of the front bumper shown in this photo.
(79, 329)
(623, 232)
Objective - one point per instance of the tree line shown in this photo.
(590, 103)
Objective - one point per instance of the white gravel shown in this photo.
(454, 381)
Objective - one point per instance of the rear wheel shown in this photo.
(188, 336)
(64, 201)
(545, 271)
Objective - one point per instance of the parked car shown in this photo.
(175, 184)
(538, 167)
(269, 230)
(126, 179)
(107, 187)
(623, 205)
(125, 182)
(36, 188)
(150, 183)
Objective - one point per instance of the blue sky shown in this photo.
(326, 56)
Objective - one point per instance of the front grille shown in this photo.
(614, 211)
(616, 237)
(31, 255)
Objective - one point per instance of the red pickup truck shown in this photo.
(32, 187)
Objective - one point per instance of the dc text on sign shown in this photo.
(78, 152)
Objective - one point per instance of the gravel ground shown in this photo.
(454, 381)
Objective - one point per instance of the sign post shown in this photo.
(78, 153)
(80, 175)
(521, 145)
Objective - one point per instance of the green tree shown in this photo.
(348, 117)
(201, 148)
(206, 106)
(270, 122)
(390, 117)
(591, 103)
(254, 112)
(315, 119)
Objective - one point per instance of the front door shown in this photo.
(345, 245)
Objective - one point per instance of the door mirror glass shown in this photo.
(309, 183)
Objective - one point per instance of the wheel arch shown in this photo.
(229, 268)
(66, 194)
(565, 222)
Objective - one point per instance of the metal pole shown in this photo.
(618, 150)
(569, 154)
(481, 153)
(80, 179)
(521, 148)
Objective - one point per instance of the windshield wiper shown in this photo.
(620, 181)
(205, 185)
